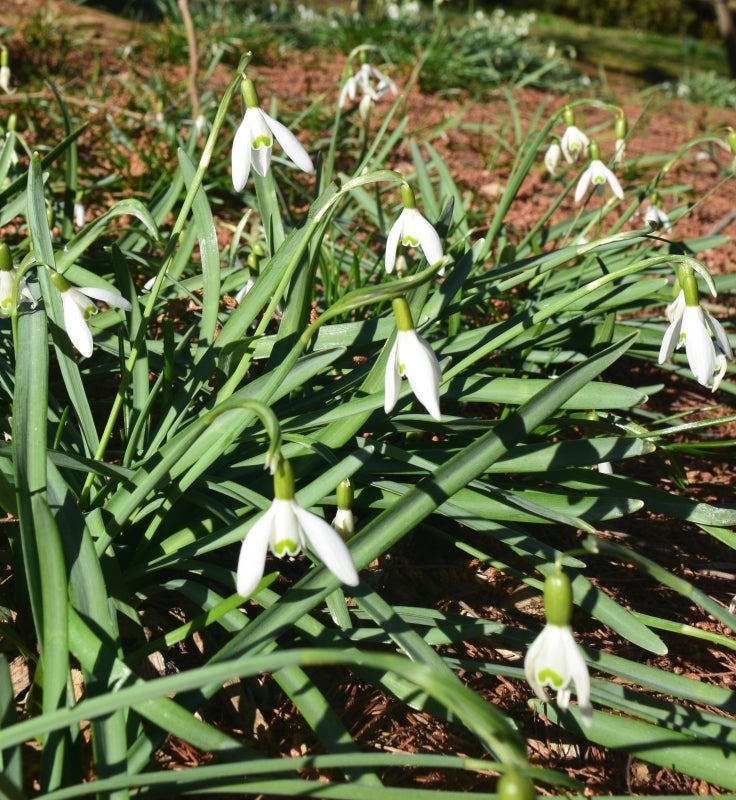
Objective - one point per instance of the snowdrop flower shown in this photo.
(706, 343)
(10, 293)
(286, 529)
(344, 522)
(78, 307)
(254, 139)
(554, 659)
(412, 230)
(574, 142)
(552, 158)
(597, 174)
(412, 357)
(363, 80)
(4, 71)
(657, 218)
(621, 131)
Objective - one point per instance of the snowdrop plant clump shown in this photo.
(152, 565)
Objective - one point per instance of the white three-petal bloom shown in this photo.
(658, 218)
(413, 230)
(555, 660)
(597, 174)
(573, 143)
(286, 529)
(413, 357)
(253, 144)
(706, 343)
(78, 308)
(363, 80)
(7, 279)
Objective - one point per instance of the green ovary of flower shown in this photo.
(548, 677)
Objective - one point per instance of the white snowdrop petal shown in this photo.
(292, 146)
(252, 558)
(328, 546)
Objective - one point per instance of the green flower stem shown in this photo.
(268, 419)
(149, 309)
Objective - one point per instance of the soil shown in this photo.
(81, 48)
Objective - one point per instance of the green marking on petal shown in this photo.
(548, 677)
(262, 141)
(90, 311)
(410, 241)
(285, 547)
(402, 369)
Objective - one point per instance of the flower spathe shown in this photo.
(413, 358)
(78, 307)
(286, 529)
(411, 229)
(253, 143)
(706, 343)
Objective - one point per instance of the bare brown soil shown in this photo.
(92, 75)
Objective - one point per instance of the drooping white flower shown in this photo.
(598, 175)
(552, 158)
(573, 144)
(344, 521)
(412, 357)
(78, 307)
(370, 82)
(8, 279)
(657, 218)
(286, 529)
(253, 143)
(706, 343)
(554, 660)
(5, 79)
(5, 71)
(411, 229)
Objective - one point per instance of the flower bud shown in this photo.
(513, 786)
